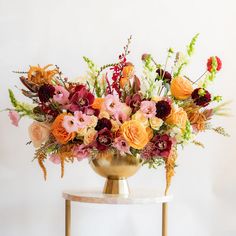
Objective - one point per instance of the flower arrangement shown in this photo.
(113, 108)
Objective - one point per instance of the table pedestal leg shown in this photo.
(67, 218)
(164, 219)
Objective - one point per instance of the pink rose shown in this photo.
(14, 117)
(39, 133)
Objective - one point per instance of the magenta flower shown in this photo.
(14, 117)
(81, 119)
(121, 145)
(112, 104)
(61, 95)
(55, 158)
(70, 123)
(81, 99)
(148, 108)
(80, 152)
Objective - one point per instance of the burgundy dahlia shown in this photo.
(167, 77)
(103, 123)
(163, 109)
(201, 97)
(103, 139)
(162, 144)
(134, 101)
(81, 98)
(46, 92)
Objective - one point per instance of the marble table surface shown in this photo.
(136, 197)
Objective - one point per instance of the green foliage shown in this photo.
(154, 162)
(187, 135)
(22, 108)
(180, 68)
(191, 46)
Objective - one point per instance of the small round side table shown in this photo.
(100, 198)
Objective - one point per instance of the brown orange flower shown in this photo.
(177, 117)
(40, 76)
(97, 104)
(59, 131)
(150, 133)
(127, 72)
(181, 88)
(135, 134)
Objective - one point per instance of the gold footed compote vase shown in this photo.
(116, 168)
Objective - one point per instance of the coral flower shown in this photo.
(181, 88)
(14, 117)
(135, 134)
(97, 104)
(127, 73)
(148, 108)
(59, 132)
(61, 95)
(177, 117)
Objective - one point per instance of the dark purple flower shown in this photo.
(103, 123)
(134, 101)
(201, 97)
(167, 77)
(80, 98)
(163, 109)
(163, 145)
(103, 140)
(46, 92)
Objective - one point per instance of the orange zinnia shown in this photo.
(59, 132)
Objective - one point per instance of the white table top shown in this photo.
(138, 197)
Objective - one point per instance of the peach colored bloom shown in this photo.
(97, 104)
(39, 133)
(181, 88)
(140, 117)
(155, 123)
(135, 134)
(89, 136)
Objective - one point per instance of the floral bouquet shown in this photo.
(111, 108)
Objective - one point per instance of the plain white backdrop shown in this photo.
(61, 32)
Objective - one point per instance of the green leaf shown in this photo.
(191, 46)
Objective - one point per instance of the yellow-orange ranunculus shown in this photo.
(40, 76)
(97, 104)
(150, 133)
(59, 132)
(127, 72)
(135, 134)
(177, 117)
(181, 88)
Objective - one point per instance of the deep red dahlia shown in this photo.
(163, 109)
(103, 123)
(209, 64)
(167, 77)
(46, 92)
(104, 139)
(201, 97)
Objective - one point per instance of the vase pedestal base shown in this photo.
(116, 186)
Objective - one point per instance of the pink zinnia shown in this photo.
(112, 104)
(14, 117)
(70, 124)
(148, 108)
(82, 119)
(55, 158)
(61, 95)
(80, 152)
(121, 145)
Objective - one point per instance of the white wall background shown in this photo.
(61, 32)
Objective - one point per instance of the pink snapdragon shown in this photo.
(148, 108)
(61, 95)
(14, 117)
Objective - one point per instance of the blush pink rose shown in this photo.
(14, 117)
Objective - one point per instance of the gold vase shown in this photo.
(116, 169)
